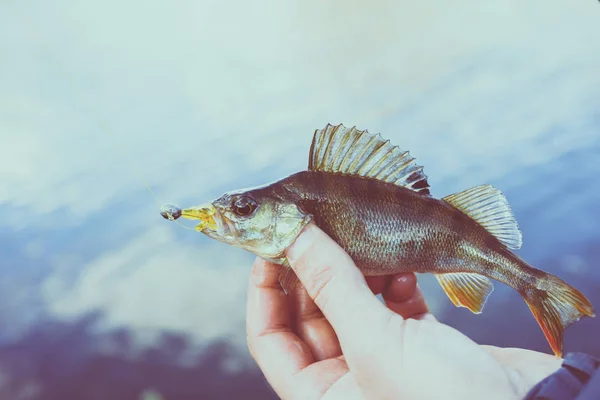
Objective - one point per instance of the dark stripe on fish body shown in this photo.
(318, 182)
(373, 186)
(492, 242)
(428, 247)
(423, 208)
(458, 219)
(342, 190)
(459, 225)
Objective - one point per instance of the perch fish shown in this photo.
(374, 201)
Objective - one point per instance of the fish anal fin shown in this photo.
(350, 151)
(488, 206)
(466, 289)
(288, 279)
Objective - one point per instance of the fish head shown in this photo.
(255, 220)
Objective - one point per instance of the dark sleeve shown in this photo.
(577, 379)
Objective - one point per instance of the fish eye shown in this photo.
(244, 206)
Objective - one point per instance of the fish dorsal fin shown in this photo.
(488, 206)
(349, 151)
(466, 289)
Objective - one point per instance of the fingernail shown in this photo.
(303, 242)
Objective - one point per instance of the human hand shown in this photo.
(336, 340)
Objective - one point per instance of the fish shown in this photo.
(374, 200)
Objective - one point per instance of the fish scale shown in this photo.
(374, 201)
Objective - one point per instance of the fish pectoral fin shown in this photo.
(488, 206)
(466, 289)
(288, 279)
(349, 151)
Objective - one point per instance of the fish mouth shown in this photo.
(207, 214)
(212, 222)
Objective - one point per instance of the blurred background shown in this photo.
(100, 298)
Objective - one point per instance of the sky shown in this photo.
(198, 98)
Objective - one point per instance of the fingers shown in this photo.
(278, 351)
(404, 297)
(378, 283)
(401, 294)
(337, 287)
(313, 328)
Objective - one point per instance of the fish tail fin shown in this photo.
(556, 305)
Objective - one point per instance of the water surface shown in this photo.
(102, 298)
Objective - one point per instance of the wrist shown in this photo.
(577, 371)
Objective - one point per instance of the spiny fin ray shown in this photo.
(488, 206)
(350, 151)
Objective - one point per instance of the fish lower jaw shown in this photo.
(201, 226)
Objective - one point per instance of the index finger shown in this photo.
(404, 297)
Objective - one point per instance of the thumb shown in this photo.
(337, 286)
